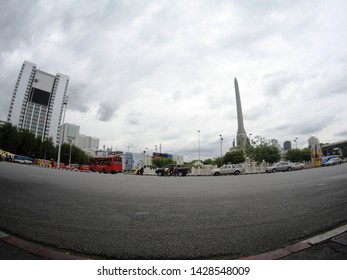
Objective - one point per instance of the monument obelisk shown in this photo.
(241, 136)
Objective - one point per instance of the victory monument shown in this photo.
(241, 136)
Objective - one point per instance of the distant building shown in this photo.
(337, 148)
(287, 145)
(38, 101)
(312, 140)
(275, 143)
(71, 135)
(88, 144)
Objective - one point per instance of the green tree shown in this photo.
(208, 161)
(218, 161)
(77, 155)
(234, 156)
(49, 151)
(306, 154)
(297, 155)
(162, 161)
(26, 143)
(23, 142)
(9, 137)
(262, 150)
(294, 155)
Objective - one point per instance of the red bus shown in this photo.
(110, 164)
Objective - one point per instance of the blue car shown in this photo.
(325, 160)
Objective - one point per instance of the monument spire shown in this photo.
(241, 136)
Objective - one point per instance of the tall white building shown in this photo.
(38, 101)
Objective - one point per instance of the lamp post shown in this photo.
(221, 147)
(61, 133)
(296, 142)
(146, 161)
(70, 140)
(199, 144)
(249, 138)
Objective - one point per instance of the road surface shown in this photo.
(146, 217)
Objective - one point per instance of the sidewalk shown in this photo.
(328, 246)
(332, 249)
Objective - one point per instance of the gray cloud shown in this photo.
(16, 20)
(134, 118)
(106, 111)
(342, 133)
(168, 61)
(276, 83)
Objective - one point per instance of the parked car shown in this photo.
(235, 169)
(333, 161)
(23, 159)
(280, 166)
(297, 166)
(325, 160)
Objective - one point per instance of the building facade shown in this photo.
(88, 144)
(71, 135)
(287, 145)
(275, 143)
(38, 101)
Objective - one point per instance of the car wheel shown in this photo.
(216, 174)
(290, 169)
(180, 174)
(274, 170)
(237, 172)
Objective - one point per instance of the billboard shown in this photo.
(41, 88)
(137, 161)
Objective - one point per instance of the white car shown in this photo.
(298, 166)
(226, 169)
(334, 161)
(280, 166)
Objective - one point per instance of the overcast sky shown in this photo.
(145, 73)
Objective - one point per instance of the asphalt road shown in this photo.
(145, 217)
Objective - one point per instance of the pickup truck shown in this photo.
(172, 170)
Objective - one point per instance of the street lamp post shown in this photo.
(249, 138)
(296, 142)
(199, 144)
(146, 161)
(71, 139)
(61, 133)
(221, 147)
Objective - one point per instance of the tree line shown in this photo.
(260, 150)
(23, 142)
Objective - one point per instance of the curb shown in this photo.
(37, 250)
(298, 247)
(50, 254)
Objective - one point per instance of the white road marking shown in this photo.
(3, 234)
(326, 235)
